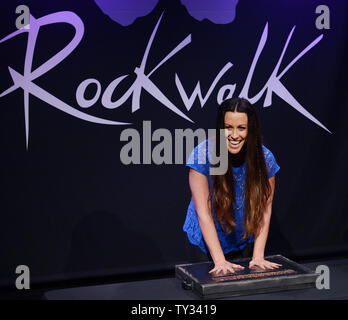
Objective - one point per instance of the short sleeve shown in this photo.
(271, 163)
(199, 158)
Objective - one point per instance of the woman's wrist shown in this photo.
(218, 258)
(219, 261)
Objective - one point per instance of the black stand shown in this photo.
(248, 281)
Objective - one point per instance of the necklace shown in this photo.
(242, 201)
(239, 184)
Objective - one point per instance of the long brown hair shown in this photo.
(257, 187)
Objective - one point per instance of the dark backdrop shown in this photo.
(70, 208)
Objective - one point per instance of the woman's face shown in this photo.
(236, 130)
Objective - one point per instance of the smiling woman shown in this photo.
(229, 214)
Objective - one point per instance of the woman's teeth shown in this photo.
(234, 144)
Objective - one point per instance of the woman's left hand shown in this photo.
(263, 264)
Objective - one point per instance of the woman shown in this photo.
(229, 215)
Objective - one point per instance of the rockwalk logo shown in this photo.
(143, 79)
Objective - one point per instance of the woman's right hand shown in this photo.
(223, 267)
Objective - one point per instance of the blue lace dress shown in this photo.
(199, 161)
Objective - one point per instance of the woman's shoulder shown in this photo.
(266, 151)
(204, 148)
(271, 162)
(199, 157)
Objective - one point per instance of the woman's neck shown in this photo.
(238, 159)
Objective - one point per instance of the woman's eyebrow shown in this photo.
(240, 125)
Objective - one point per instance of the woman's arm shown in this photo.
(200, 195)
(262, 234)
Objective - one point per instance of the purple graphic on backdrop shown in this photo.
(126, 11)
(25, 81)
(217, 11)
(143, 80)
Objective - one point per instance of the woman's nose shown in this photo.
(234, 134)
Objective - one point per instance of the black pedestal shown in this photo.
(248, 281)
